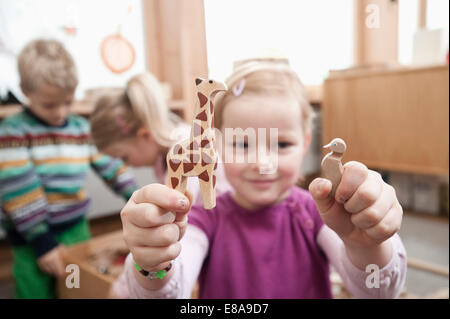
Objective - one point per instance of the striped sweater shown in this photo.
(42, 173)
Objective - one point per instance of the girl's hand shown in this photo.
(365, 211)
(154, 220)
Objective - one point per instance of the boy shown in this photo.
(45, 153)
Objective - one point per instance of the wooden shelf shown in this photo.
(82, 108)
(383, 69)
(437, 218)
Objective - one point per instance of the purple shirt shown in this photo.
(266, 253)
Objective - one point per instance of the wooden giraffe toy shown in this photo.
(331, 163)
(196, 156)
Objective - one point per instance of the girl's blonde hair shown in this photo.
(142, 104)
(262, 76)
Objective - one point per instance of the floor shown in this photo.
(427, 239)
(424, 237)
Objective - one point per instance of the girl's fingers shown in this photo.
(145, 215)
(182, 216)
(331, 212)
(161, 236)
(159, 267)
(162, 196)
(146, 225)
(182, 224)
(149, 258)
(319, 189)
(388, 226)
(354, 175)
(372, 215)
(366, 194)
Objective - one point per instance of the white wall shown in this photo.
(24, 20)
(104, 200)
(316, 35)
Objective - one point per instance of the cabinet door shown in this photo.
(393, 120)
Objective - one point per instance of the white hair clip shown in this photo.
(237, 90)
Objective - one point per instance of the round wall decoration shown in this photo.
(117, 53)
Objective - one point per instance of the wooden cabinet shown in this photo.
(393, 119)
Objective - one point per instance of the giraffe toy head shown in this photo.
(209, 87)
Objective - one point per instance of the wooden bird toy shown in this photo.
(331, 163)
(196, 156)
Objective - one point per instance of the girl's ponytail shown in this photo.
(142, 104)
(148, 103)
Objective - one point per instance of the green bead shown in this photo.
(161, 274)
(137, 267)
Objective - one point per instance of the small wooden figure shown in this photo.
(196, 156)
(331, 163)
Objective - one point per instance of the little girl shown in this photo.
(266, 238)
(137, 126)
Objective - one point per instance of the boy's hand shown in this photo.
(365, 211)
(154, 220)
(52, 262)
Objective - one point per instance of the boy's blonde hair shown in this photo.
(118, 116)
(262, 76)
(45, 61)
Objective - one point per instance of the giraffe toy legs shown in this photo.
(207, 182)
(176, 181)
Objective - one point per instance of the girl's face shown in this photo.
(254, 188)
(140, 150)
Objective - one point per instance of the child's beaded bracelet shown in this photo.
(154, 274)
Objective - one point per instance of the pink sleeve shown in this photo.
(186, 270)
(391, 277)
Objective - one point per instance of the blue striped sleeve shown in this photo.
(22, 198)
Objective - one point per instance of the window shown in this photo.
(24, 20)
(436, 16)
(316, 36)
(408, 12)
